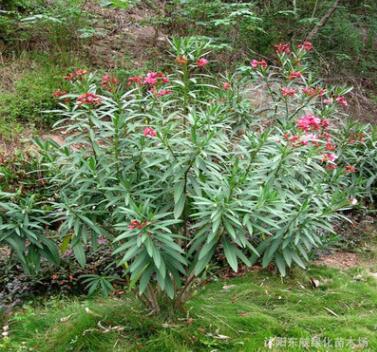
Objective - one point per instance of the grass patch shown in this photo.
(239, 317)
(26, 90)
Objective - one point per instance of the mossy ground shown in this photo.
(238, 314)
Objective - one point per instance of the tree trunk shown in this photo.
(323, 21)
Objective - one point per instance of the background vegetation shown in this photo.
(59, 206)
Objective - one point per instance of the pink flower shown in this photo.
(89, 99)
(149, 132)
(226, 85)
(328, 101)
(163, 92)
(59, 93)
(342, 101)
(256, 64)
(202, 62)
(329, 157)
(294, 74)
(330, 147)
(108, 82)
(181, 60)
(325, 123)
(308, 122)
(309, 91)
(321, 91)
(75, 75)
(331, 166)
(151, 78)
(310, 137)
(80, 72)
(282, 48)
(135, 79)
(326, 136)
(288, 92)
(306, 45)
(350, 169)
(292, 139)
(135, 224)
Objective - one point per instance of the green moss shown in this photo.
(238, 318)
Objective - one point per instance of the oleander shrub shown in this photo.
(23, 227)
(185, 169)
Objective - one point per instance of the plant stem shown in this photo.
(185, 291)
(153, 300)
(116, 145)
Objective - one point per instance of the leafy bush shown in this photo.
(185, 169)
(23, 100)
(358, 145)
(31, 96)
(42, 25)
(255, 26)
(23, 227)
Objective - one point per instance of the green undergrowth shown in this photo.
(238, 314)
(26, 90)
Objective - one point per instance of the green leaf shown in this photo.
(178, 190)
(280, 263)
(179, 206)
(79, 252)
(145, 279)
(230, 255)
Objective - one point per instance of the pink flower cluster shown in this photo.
(350, 169)
(135, 224)
(341, 100)
(306, 45)
(258, 64)
(294, 74)
(135, 79)
(89, 99)
(329, 157)
(311, 91)
(77, 74)
(311, 123)
(108, 82)
(149, 132)
(297, 140)
(227, 85)
(282, 48)
(152, 78)
(59, 93)
(202, 62)
(288, 92)
(164, 92)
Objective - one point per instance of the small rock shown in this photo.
(228, 287)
